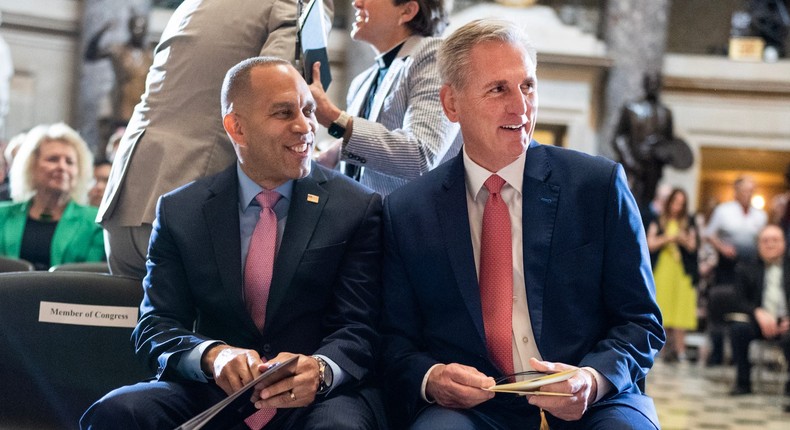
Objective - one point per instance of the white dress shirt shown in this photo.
(774, 300)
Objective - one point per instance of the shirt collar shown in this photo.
(248, 189)
(384, 61)
(476, 175)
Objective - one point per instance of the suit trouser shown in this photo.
(741, 335)
(165, 405)
(517, 414)
(126, 248)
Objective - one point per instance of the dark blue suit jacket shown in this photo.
(587, 273)
(324, 296)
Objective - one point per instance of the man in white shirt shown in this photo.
(732, 231)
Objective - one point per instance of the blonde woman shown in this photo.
(49, 222)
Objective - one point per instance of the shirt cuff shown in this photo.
(338, 375)
(425, 383)
(604, 386)
(189, 364)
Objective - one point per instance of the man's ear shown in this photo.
(447, 97)
(408, 12)
(232, 126)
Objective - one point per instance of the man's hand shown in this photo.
(231, 367)
(325, 111)
(292, 392)
(726, 249)
(582, 386)
(458, 386)
(769, 326)
(784, 326)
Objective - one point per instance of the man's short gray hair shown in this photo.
(453, 55)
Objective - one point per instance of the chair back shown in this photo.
(64, 343)
(94, 267)
(8, 264)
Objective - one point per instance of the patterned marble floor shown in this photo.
(690, 397)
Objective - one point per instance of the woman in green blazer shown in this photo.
(48, 223)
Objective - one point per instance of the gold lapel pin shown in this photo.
(312, 198)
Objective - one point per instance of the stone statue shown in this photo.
(6, 73)
(644, 142)
(130, 63)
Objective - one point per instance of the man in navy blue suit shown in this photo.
(578, 294)
(195, 327)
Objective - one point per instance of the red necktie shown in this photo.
(496, 277)
(258, 278)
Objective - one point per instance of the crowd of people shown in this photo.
(727, 270)
(431, 253)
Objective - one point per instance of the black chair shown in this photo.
(52, 371)
(96, 267)
(15, 265)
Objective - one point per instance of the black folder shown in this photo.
(312, 41)
(239, 400)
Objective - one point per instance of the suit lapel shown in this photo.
(396, 69)
(64, 234)
(221, 211)
(454, 219)
(303, 216)
(355, 108)
(539, 210)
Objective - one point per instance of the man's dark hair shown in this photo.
(432, 18)
(237, 80)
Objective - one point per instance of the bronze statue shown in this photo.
(130, 63)
(644, 142)
(771, 21)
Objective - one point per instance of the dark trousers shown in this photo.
(741, 335)
(166, 405)
(627, 412)
(722, 300)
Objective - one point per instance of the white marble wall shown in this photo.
(42, 36)
(719, 103)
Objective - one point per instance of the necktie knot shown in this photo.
(267, 199)
(494, 184)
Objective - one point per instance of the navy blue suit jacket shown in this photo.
(324, 296)
(587, 274)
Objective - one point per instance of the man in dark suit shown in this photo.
(200, 323)
(563, 281)
(762, 301)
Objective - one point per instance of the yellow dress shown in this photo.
(675, 294)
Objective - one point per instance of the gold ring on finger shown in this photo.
(293, 396)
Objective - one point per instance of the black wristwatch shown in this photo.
(325, 375)
(338, 127)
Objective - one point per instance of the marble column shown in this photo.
(635, 32)
(96, 78)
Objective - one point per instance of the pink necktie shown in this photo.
(496, 277)
(258, 279)
(260, 258)
(259, 419)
